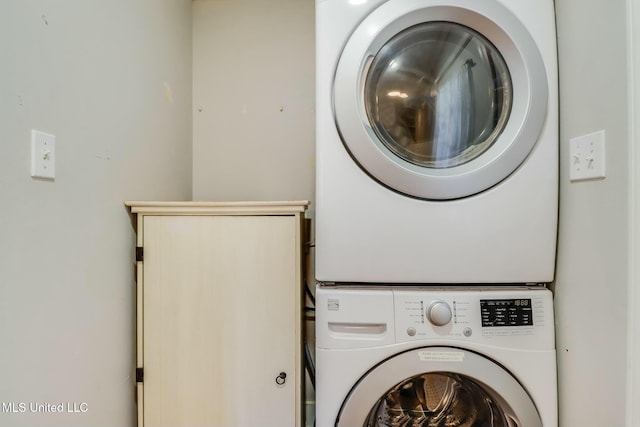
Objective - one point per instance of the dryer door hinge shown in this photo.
(139, 253)
(139, 375)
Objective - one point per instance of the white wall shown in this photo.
(633, 333)
(591, 280)
(254, 105)
(112, 80)
(253, 97)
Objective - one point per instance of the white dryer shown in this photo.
(437, 141)
(415, 357)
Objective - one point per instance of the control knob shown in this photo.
(439, 313)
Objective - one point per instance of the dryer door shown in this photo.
(440, 101)
(438, 386)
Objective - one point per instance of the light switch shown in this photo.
(587, 157)
(43, 155)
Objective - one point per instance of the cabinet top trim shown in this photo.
(213, 208)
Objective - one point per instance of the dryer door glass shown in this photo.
(438, 94)
(438, 399)
(441, 102)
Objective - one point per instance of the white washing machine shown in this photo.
(433, 357)
(437, 141)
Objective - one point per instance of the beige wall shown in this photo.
(112, 80)
(253, 97)
(591, 281)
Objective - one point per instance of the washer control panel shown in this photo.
(506, 312)
(439, 313)
(494, 316)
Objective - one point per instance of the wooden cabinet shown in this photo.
(219, 314)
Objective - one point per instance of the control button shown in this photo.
(467, 332)
(439, 313)
(411, 331)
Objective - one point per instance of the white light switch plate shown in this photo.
(43, 155)
(587, 157)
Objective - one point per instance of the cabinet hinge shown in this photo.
(139, 375)
(139, 253)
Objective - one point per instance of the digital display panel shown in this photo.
(506, 312)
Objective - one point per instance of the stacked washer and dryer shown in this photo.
(436, 215)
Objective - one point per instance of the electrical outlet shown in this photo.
(587, 157)
(43, 155)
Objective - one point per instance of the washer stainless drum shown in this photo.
(437, 141)
(438, 357)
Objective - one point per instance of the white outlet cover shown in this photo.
(43, 155)
(587, 157)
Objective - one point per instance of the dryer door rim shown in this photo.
(521, 133)
(374, 384)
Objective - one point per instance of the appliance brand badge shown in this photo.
(441, 356)
(333, 304)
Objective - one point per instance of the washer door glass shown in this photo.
(437, 399)
(438, 387)
(438, 94)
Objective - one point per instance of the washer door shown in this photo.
(440, 101)
(438, 386)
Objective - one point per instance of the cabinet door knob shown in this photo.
(281, 378)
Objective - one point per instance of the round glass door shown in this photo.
(437, 399)
(440, 101)
(438, 94)
(438, 387)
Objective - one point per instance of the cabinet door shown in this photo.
(221, 320)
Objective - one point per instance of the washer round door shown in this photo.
(438, 387)
(440, 101)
